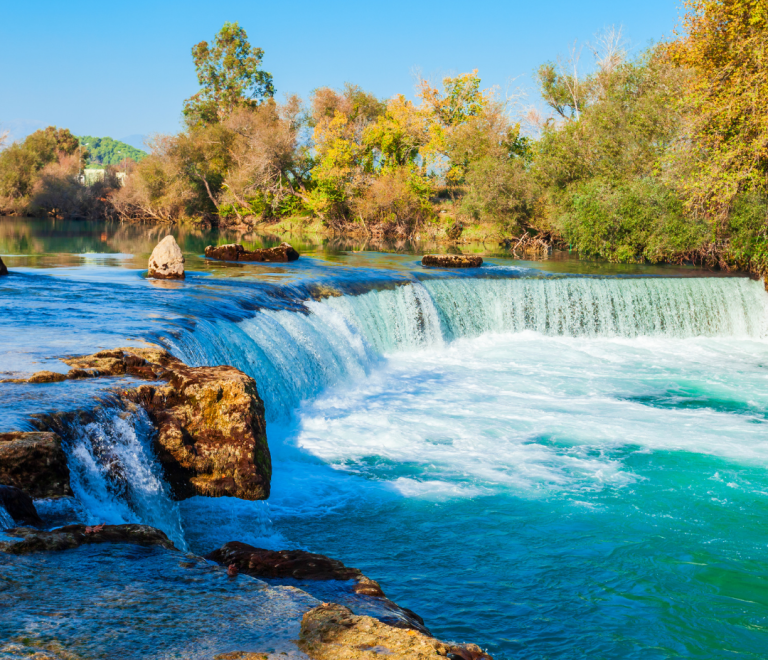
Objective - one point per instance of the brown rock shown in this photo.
(34, 462)
(19, 506)
(3, 268)
(297, 564)
(241, 655)
(46, 377)
(332, 632)
(452, 260)
(73, 536)
(211, 435)
(236, 252)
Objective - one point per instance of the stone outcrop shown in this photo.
(19, 506)
(3, 268)
(236, 252)
(297, 564)
(333, 632)
(452, 260)
(73, 536)
(303, 565)
(166, 261)
(211, 432)
(35, 463)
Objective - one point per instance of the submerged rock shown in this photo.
(452, 260)
(3, 268)
(19, 506)
(333, 632)
(167, 261)
(236, 252)
(35, 463)
(73, 536)
(297, 564)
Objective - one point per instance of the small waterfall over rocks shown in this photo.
(115, 475)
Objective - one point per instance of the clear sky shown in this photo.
(120, 68)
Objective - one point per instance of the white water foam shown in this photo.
(525, 413)
(115, 475)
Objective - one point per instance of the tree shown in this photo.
(229, 74)
(725, 46)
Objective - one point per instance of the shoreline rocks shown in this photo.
(166, 261)
(332, 632)
(34, 463)
(3, 268)
(452, 260)
(236, 252)
(73, 536)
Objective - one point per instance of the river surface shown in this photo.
(553, 459)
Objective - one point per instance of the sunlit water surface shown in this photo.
(552, 467)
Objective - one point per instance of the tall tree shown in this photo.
(229, 74)
(725, 46)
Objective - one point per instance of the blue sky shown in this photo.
(116, 69)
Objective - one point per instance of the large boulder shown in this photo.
(211, 431)
(297, 564)
(332, 632)
(34, 462)
(167, 261)
(73, 536)
(452, 260)
(236, 252)
(19, 506)
(3, 268)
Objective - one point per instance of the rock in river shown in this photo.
(73, 536)
(452, 260)
(34, 462)
(211, 432)
(19, 506)
(3, 268)
(298, 564)
(166, 262)
(331, 632)
(236, 252)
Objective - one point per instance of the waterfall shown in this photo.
(295, 355)
(6, 522)
(114, 472)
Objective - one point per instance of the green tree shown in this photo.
(229, 74)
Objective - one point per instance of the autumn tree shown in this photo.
(724, 45)
(230, 75)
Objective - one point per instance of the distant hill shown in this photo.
(106, 151)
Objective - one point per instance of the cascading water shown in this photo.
(114, 473)
(294, 356)
(6, 522)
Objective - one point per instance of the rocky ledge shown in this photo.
(73, 536)
(34, 462)
(211, 433)
(236, 252)
(303, 565)
(333, 632)
(452, 260)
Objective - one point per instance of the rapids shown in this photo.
(549, 464)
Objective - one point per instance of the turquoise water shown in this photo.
(564, 466)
